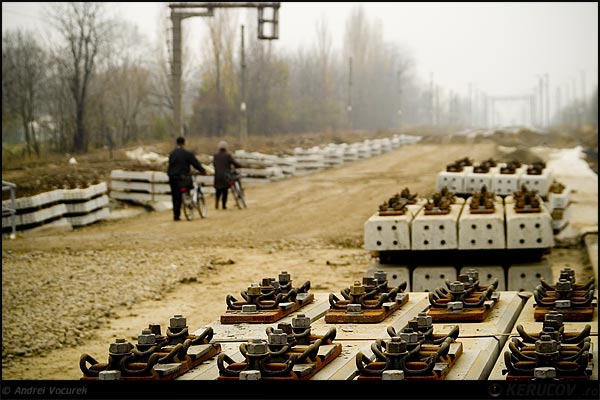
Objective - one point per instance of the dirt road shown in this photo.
(119, 276)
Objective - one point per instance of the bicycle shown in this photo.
(235, 184)
(193, 200)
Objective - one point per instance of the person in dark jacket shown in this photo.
(222, 162)
(180, 160)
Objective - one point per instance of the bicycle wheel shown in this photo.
(187, 205)
(201, 205)
(238, 195)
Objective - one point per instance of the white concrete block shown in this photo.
(427, 279)
(39, 200)
(481, 231)
(84, 194)
(42, 215)
(131, 196)
(559, 200)
(118, 174)
(454, 181)
(539, 183)
(131, 186)
(528, 230)
(160, 177)
(90, 205)
(527, 276)
(387, 232)
(87, 219)
(505, 184)
(487, 274)
(473, 182)
(436, 232)
(158, 197)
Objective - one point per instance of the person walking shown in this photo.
(180, 161)
(222, 161)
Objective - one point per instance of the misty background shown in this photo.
(77, 76)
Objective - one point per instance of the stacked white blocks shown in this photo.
(454, 181)
(86, 206)
(559, 207)
(540, 183)
(474, 181)
(528, 230)
(436, 232)
(481, 231)
(384, 233)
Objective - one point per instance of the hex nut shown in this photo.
(396, 346)
(256, 347)
(474, 274)
(301, 321)
(120, 346)
(147, 337)
(277, 337)
(563, 284)
(357, 288)
(424, 320)
(254, 290)
(410, 337)
(457, 286)
(545, 345)
(284, 277)
(177, 321)
(380, 276)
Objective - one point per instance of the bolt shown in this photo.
(254, 290)
(396, 346)
(120, 346)
(177, 321)
(424, 320)
(284, 277)
(357, 288)
(354, 308)
(410, 337)
(544, 373)
(454, 305)
(277, 337)
(155, 329)
(301, 321)
(457, 287)
(553, 318)
(564, 285)
(568, 274)
(392, 375)
(474, 274)
(147, 337)
(249, 308)
(380, 276)
(109, 375)
(546, 345)
(257, 347)
(368, 281)
(266, 281)
(554, 335)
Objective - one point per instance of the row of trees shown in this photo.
(102, 84)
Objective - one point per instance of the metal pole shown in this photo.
(243, 108)
(176, 74)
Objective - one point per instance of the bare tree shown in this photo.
(84, 27)
(23, 74)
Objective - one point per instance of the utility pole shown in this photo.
(541, 100)
(349, 109)
(244, 114)
(181, 11)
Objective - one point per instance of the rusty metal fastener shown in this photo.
(544, 373)
(424, 320)
(545, 345)
(177, 321)
(119, 347)
(146, 337)
(278, 337)
(257, 347)
(301, 321)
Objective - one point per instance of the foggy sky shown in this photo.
(500, 48)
